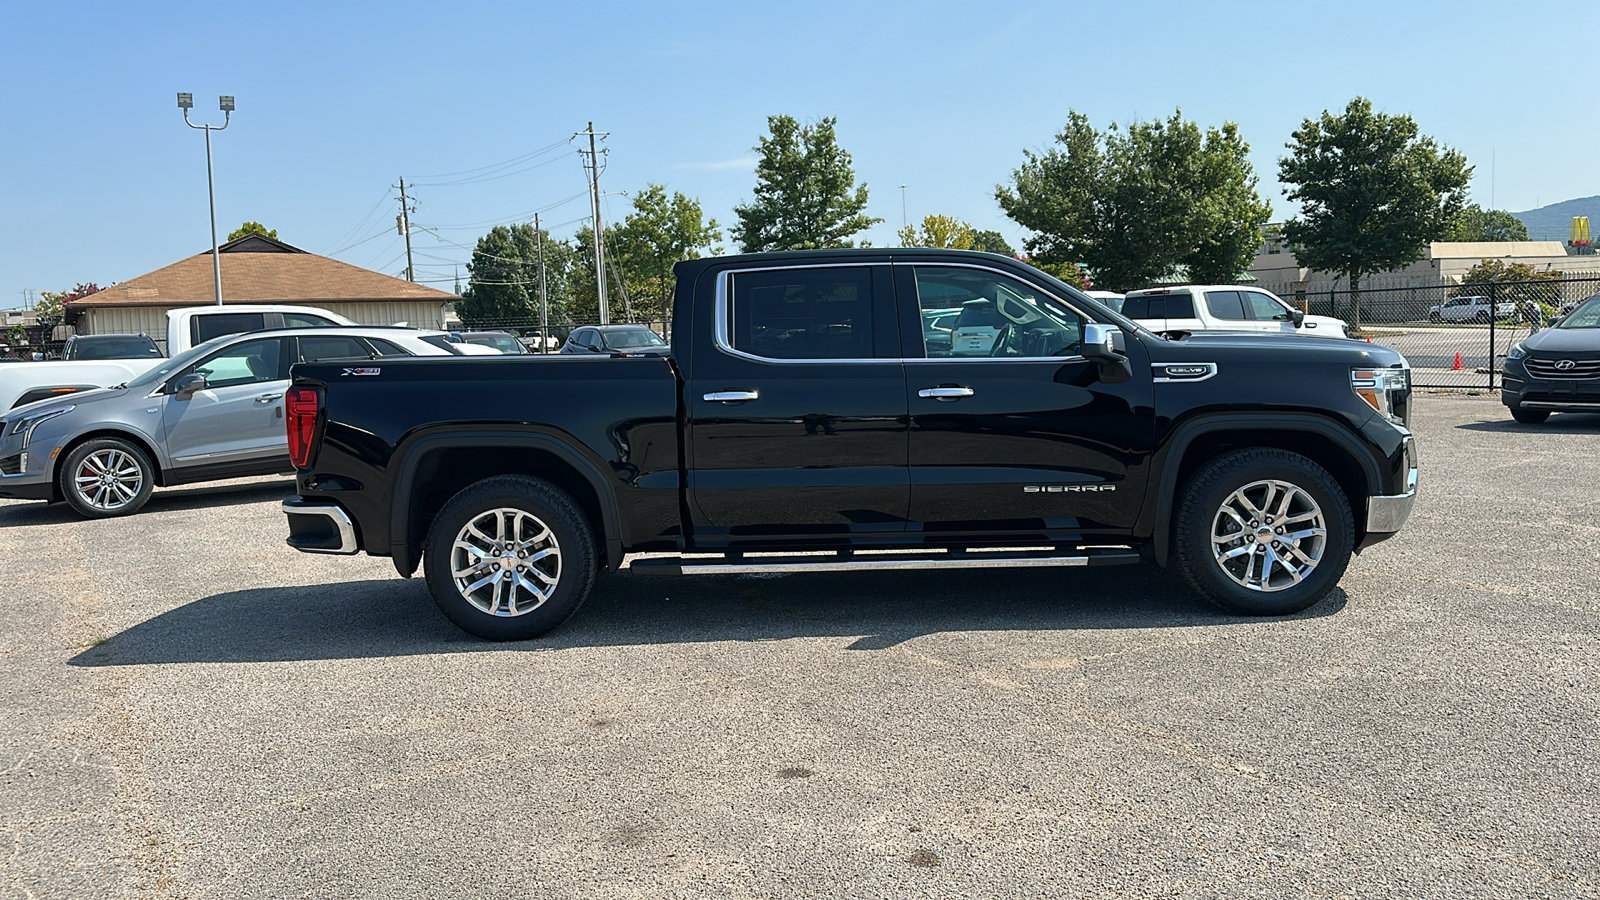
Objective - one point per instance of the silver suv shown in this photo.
(212, 412)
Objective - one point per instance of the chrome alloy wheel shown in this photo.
(1269, 535)
(505, 562)
(108, 479)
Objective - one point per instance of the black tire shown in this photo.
(576, 559)
(1435, 318)
(1530, 416)
(1483, 318)
(1200, 508)
(97, 476)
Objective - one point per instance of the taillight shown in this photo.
(301, 405)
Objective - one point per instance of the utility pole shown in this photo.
(544, 309)
(599, 230)
(402, 224)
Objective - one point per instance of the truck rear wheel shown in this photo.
(1263, 532)
(510, 558)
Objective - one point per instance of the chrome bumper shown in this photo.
(1386, 515)
(319, 528)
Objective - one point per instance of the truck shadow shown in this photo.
(1560, 423)
(376, 619)
(24, 513)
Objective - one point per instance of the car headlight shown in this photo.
(1379, 388)
(1517, 351)
(27, 424)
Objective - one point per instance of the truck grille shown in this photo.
(11, 465)
(1551, 369)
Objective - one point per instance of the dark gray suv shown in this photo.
(1557, 369)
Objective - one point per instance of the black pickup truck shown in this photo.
(834, 411)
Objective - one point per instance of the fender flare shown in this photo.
(1159, 506)
(404, 552)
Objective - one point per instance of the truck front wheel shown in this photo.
(1263, 532)
(510, 558)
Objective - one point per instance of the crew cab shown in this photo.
(187, 327)
(1224, 307)
(802, 423)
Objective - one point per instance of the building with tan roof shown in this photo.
(259, 269)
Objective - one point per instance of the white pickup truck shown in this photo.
(27, 382)
(1224, 307)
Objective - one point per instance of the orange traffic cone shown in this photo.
(1457, 367)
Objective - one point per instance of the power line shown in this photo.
(509, 162)
(363, 223)
(479, 179)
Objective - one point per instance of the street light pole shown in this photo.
(225, 103)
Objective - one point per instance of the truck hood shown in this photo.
(1206, 345)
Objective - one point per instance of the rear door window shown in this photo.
(203, 328)
(1225, 305)
(307, 320)
(327, 347)
(385, 348)
(810, 313)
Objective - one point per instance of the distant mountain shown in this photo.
(1554, 222)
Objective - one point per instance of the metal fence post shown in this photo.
(1494, 314)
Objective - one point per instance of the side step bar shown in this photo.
(876, 562)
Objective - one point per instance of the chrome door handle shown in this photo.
(731, 396)
(267, 398)
(945, 393)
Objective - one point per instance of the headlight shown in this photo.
(1379, 388)
(1517, 351)
(27, 424)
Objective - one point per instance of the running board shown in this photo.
(875, 562)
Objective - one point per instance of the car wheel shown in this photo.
(1263, 532)
(510, 558)
(1482, 318)
(1530, 416)
(1435, 318)
(106, 477)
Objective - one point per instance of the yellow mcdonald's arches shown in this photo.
(1580, 232)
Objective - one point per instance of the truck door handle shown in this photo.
(731, 396)
(267, 398)
(945, 393)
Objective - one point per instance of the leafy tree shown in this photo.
(939, 231)
(54, 303)
(252, 228)
(806, 196)
(1478, 224)
(1373, 193)
(504, 278)
(1071, 273)
(992, 242)
(659, 233)
(1133, 204)
(1535, 293)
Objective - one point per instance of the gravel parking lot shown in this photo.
(190, 708)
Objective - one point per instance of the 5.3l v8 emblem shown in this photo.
(363, 370)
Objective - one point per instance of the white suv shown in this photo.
(1470, 309)
(1224, 307)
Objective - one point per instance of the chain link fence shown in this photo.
(1454, 335)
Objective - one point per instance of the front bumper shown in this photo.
(1518, 388)
(1387, 514)
(319, 527)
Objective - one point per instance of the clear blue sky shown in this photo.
(100, 180)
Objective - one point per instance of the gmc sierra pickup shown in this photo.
(802, 423)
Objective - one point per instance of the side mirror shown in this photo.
(1298, 317)
(1101, 343)
(185, 387)
(1551, 322)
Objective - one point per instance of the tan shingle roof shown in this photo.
(261, 277)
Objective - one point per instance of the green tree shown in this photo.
(1478, 224)
(252, 228)
(503, 277)
(1536, 294)
(1133, 204)
(658, 234)
(944, 232)
(54, 303)
(1373, 193)
(806, 197)
(992, 242)
(1071, 273)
